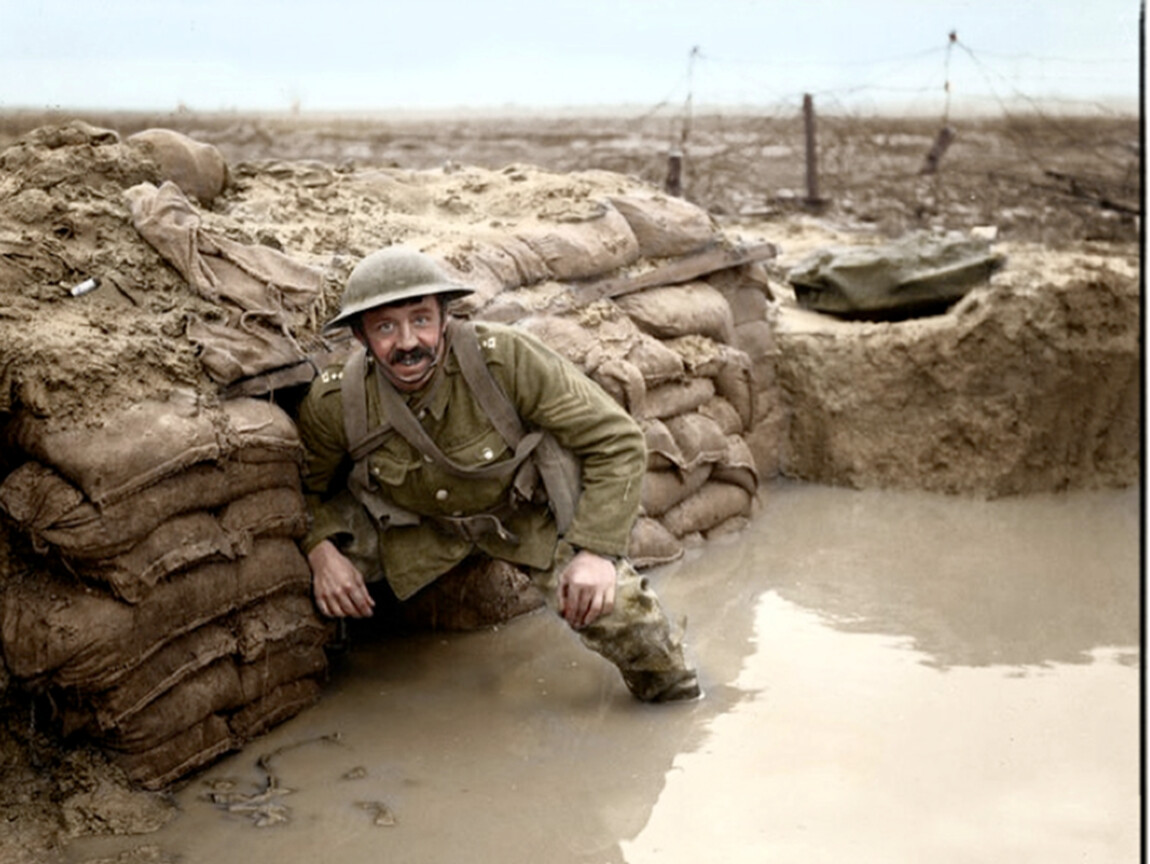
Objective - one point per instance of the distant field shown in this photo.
(1052, 179)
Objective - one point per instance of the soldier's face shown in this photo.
(406, 341)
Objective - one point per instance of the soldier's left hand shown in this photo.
(586, 588)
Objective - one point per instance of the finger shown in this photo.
(594, 609)
(609, 599)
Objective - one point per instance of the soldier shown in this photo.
(444, 438)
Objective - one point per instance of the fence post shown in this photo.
(813, 199)
(941, 143)
(674, 182)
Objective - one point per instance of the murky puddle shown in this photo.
(890, 677)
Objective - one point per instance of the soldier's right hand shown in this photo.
(339, 587)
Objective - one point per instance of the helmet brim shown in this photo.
(449, 291)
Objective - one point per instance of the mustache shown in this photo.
(413, 355)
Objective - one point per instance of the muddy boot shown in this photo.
(680, 685)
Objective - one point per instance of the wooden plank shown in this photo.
(680, 270)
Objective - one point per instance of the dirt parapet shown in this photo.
(1030, 384)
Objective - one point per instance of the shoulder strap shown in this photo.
(490, 395)
(558, 468)
(405, 423)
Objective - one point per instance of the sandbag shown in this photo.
(583, 249)
(241, 346)
(677, 397)
(198, 168)
(724, 414)
(278, 512)
(211, 690)
(651, 544)
(77, 637)
(737, 465)
(564, 336)
(663, 452)
(153, 439)
(662, 490)
(281, 704)
(699, 439)
(479, 592)
(657, 363)
(666, 226)
(221, 687)
(676, 310)
(178, 660)
(713, 504)
(623, 383)
(198, 746)
(175, 545)
(53, 513)
(279, 621)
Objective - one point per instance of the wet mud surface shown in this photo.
(893, 677)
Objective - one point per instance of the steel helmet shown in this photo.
(390, 275)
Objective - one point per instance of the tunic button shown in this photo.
(441, 495)
(422, 413)
(426, 458)
(488, 454)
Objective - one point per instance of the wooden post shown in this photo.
(941, 143)
(812, 155)
(674, 182)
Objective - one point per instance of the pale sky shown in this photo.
(437, 54)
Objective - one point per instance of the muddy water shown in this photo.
(890, 678)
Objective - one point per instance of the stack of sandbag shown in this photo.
(174, 621)
(691, 360)
(692, 393)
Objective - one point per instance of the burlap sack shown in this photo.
(196, 747)
(663, 453)
(242, 345)
(666, 226)
(724, 414)
(178, 660)
(211, 690)
(737, 465)
(53, 513)
(280, 624)
(151, 440)
(199, 169)
(623, 382)
(735, 383)
(657, 363)
(287, 619)
(662, 490)
(564, 336)
(714, 503)
(179, 543)
(669, 400)
(676, 310)
(220, 688)
(59, 631)
(699, 439)
(278, 512)
(583, 249)
(651, 544)
(279, 705)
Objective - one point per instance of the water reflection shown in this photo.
(859, 652)
(1018, 582)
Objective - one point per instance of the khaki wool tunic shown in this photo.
(549, 393)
